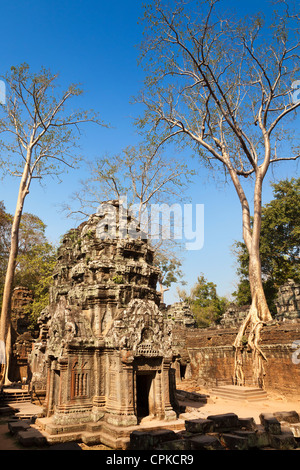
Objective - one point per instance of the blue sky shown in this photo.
(95, 43)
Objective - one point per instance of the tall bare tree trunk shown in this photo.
(259, 312)
(43, 134)
(5, 320)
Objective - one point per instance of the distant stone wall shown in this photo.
(288, 302)
(234, 316)
(211, 356)
(287, 305)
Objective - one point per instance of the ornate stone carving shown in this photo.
(67, 327)
(141, 327)
(108, 346)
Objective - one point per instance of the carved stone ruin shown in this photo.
(105, 345)
(288, 302)
(22, 339)
(234, 316)
(21, 298)
(181, 315)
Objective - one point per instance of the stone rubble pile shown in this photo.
(225, 432)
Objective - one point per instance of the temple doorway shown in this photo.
(144, 394)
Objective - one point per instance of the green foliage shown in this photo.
(118, 279)
(279, 243)
(170, 269)
(206, 305)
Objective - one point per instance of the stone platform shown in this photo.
(17, 401)
(115, 437)
(235, 392)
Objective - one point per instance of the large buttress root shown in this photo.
(253, 323)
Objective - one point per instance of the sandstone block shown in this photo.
(294, 428)
(205, 442)
(234, 442)
(262, 437)
(270, 423)
(199, 426)
(287, 416)
(31, 438)
(224, 422)
(284, 441)
(16, 426)
(247, 423)
(178, 444)
(251, 437)
(145, 440)
(141, 440)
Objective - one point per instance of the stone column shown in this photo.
(128, 393)
(63, 388)
(169, 412)
(159, 396)
(120, 403)
(64, 385)
(48, 389)
(99, 389)
(51, 388)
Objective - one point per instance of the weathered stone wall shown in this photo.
(22, 339)
(211, 356)
(288, 302)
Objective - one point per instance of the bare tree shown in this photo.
(144, 180)
(223, 87)
(141, 174)
(39, 138)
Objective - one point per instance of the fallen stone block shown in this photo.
(184, 434)
(6, 410)
(205, 442)
(31, 438)
(199, 426)
(146, 440)
(262, 437)
(163, 435)
(178, 444)
(141, 440)
(234, 442)
(284, 441)
(251, 437)
(247, 423)
(224, 422)
(293, 427)
(287, 416)
(270, 423)
(193, 396)
(15, 426)
(65, 446)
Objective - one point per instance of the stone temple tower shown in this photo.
(107, 346)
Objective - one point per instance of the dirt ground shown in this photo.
(214, 405)
(6, 440)
(243, 409)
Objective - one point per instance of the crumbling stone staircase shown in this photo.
(234, 392)
(18, 402)
(15, 396)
